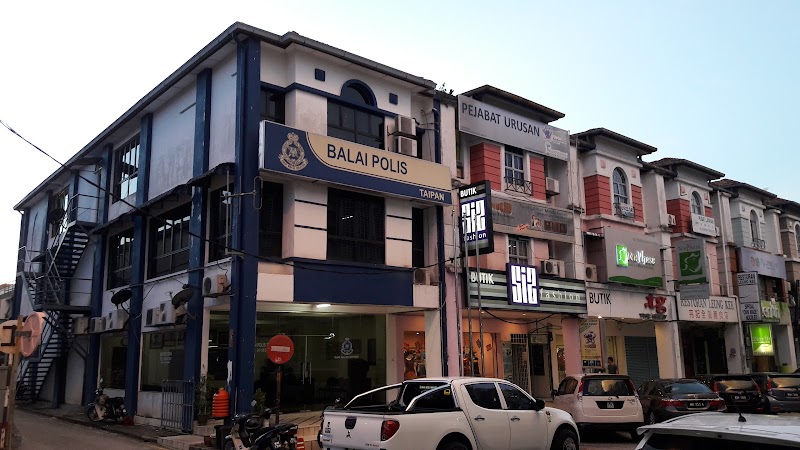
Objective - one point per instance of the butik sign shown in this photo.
(476, 218)
(629, 305)
(487, 121)
(633, 258)
(523, 285)
(518, 286)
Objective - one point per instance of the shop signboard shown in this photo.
(591, 344)
(711, 309)
(476, 219)
(633, 258)
(761, 339)
(523, 285)
(316, 157)
(763, 263)
(748, 287)
(692, 262)
(556, 295)
(771, 311)
(529, 219)
(703, 225)
(630, 305)
(751, 312)
(496, 124)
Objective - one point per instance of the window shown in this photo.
(162, 358)
(355, 227)
(58, 216)
(417, 237)
(441, 399)
(518, 250)
(346, 120)
(119, 270)
(126, 169)
(273, 106)
(515, 172)
(797, 236)
(697, 204)
(270, 226)
(620, 187)
(754, 226)
(567, 386)
(169, 237)
(221, 223)
(607, 386)
(515, 398)
(484, 395)
(113, 354)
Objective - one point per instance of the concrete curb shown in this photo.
(99, 426)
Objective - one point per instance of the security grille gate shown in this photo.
(642, 358)
(519, 361)
(177, 405)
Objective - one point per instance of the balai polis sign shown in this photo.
(296, 152)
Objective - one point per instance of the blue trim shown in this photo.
(399, 217)
(398, 239)
(73, 191)
(138, 256)
(393, 98)
(46, 225)
(197, 226)
(437, 154)
(105, 183)
(333, 263)
(328, 95)
(244, 272)
(145, 145)
(363, 88)
(309, 202)
(16, 307)
(310, 228)
(319, 74)
(333, 282)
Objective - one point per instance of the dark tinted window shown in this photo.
(672, 442)
(785, 382)
(484, 395)
(735, 384)
(169, 241)
(567, 386)
(414, 389)
(441, 399)
(355, 227)
(607, 386)
(686, 388)
(515, 398)
(270, 225)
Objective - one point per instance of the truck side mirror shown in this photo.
(538, 404)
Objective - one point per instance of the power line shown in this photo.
(145, 213)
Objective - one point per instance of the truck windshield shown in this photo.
(414, 389)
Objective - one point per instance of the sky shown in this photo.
(716, 86)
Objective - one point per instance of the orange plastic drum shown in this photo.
(219, 406)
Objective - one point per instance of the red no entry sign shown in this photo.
(280, 349)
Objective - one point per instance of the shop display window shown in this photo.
(414, 355)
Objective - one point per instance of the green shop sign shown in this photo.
(761, 339)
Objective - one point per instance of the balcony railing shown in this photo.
(625, 211)
(759, 244)
(519, 185)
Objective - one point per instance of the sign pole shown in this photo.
(278, 395)
(469, 301)
(480, 304)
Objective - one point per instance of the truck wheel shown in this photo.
(565, 439)
(453, 445)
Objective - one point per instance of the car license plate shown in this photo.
(610, 405)
(697, 404)
(793, 394)
(740, 397)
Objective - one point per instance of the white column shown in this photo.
(204, 341)
(433, 344)
(670, 356)
(734, 350)
(393, 375)
(784, 342)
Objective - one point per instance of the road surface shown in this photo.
(40, 432)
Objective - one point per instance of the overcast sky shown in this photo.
(714, 82)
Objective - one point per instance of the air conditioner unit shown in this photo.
(405, 146)
(671, 220)
(422, 276)
(116, 319)
(80, 325)
(152, 317)
(591, 272)
(215, 285)
(97, 324)
(404, 126)
(551, 186)
(553, 267)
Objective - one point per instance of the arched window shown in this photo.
(352, 116)
(620, 187)
(697, 204)
(797, 237)
(754, 226)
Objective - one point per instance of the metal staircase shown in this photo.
(48, 275)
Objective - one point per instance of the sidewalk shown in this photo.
(77, 415)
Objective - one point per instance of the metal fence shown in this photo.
(177, 405)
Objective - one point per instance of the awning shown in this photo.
(204, 179)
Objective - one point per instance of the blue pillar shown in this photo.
(437, 153)
(197, 227)
(244, 272)
(23, 242)
(98, 276)
(138, 258)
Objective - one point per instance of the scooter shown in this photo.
(105, 407)
(251, 432)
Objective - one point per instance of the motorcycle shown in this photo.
(252, 432)
(105, 407)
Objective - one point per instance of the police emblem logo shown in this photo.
(292, 156)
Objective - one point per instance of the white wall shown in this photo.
(398, 226)
(223, 113)
(172, 153)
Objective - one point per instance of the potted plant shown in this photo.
(201, 400)
(260, 399)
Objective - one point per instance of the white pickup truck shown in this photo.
(447, 414)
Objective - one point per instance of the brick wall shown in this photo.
(538, 178)
(485, 165)
(709, 211)
(682, 211)
(598, 194)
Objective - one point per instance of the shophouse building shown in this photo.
(707, 311)
(759, 270)
(271, 185)
(519, 318)
(631, 303)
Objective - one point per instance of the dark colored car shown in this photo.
(740, 392)
(668, 398)
(781, 391)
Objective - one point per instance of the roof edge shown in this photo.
(643, 149)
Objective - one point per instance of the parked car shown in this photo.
(740, 392)
(600, 401)
(668, 398)
(447, 414)
(712, 430)
(780, 391)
